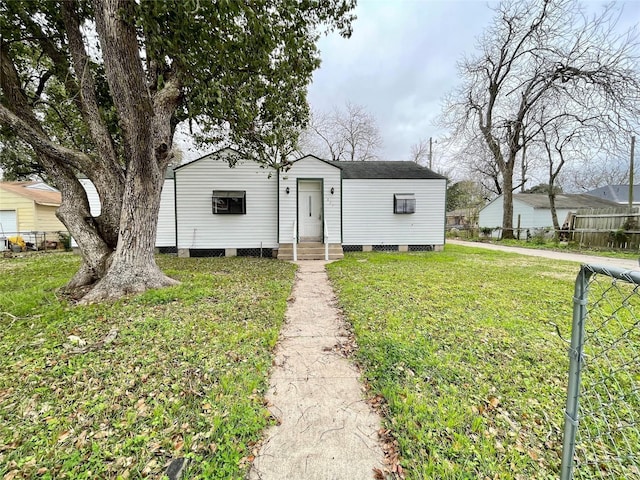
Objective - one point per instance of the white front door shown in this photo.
(310, 210)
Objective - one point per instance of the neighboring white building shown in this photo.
(534, 209)
(251, 209)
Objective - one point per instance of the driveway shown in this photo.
(571, 257)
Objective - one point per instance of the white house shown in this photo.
(312, 209)
(222, 210)
(313, 205)
(534, 210)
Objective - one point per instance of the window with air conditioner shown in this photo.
(229, 202)
(404, 203)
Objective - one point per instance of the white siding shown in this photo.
(491, 215)
(92, 196)
(542, 217)
(166, 236)
(310, 168)
(526, 212)
(198, 227)
(368, 217)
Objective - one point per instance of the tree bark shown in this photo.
(148, 131)
(133, 268)
(507, 201)
(554, 213)
(118, 246)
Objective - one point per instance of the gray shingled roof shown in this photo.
(564, 200)
(384, 169)
(616, 193)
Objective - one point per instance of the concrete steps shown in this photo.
(310, 251)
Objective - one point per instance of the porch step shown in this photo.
(310, 251)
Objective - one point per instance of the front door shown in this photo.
(310, 210)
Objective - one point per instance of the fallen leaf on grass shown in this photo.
(11, 475)
(103, 434)
(76, 340)
(149, 468)
(141, 407)
(82, 439)
(64, 435)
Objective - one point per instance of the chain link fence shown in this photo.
(602, 434)
(25, 241)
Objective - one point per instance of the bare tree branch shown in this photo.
(350, 134)
(543, 53)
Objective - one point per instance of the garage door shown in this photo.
(8, 222)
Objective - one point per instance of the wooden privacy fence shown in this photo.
(616, 227)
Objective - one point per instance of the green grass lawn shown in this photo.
(460, 345)
(571, 247)
(184, 377)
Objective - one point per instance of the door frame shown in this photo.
(319, 180)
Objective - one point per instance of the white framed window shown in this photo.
(229, 202)
(404, 203)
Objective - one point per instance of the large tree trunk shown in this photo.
(554, 213)
(133, 268)
(507, 201)
(147, 129)
(118, 246)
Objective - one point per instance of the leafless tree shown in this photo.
(476, 163)
(597, 172)
(534, 50)
(421, 152)
(564, 141)
(351, 134)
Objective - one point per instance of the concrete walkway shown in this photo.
(571, 257)
(326, 430)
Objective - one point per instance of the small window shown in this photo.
(404, 203)
(229, 201)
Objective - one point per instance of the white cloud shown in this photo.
(399, 63)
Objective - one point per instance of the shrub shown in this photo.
(65, 239)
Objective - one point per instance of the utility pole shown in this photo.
(430, 153)
(633, 145)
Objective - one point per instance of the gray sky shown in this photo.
(401, 61)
